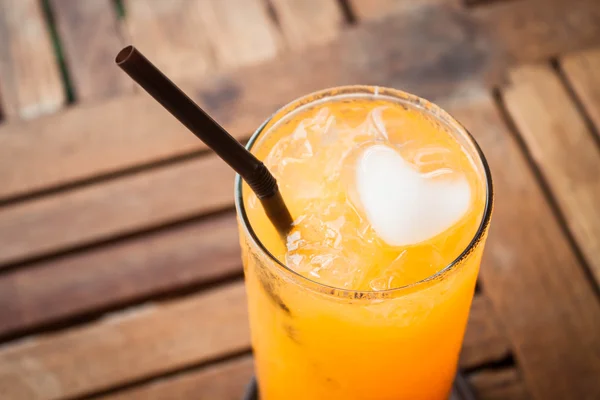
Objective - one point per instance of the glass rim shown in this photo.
(383, 93)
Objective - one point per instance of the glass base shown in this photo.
(460, 391)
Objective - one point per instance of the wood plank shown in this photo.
(128, 131)
(171, 34)
(95, 213)
(499, 384)
(149, 341)
(125, 205)
(483, 332)
(131, 345)
(535, 30)
(92, 140)
(582, 69)
(29, 75)
(564, 149)
(91, 37)
(159, 263)
(87, 140)
(240, 31)
(308, 22)
(129, 270)
(541, 296)
(224, 381)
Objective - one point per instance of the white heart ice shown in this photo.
(403, 206)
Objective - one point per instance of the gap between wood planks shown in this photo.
(120, 8)
(50, 253)
(97, 244)
(111, 242)
(81, 179)
(576, 100)
(497, 384)
(176, 260)
(502, 363)
(486, 380)
(478, 340)
(62, 315)
(194, 368)
(90, 317)
(103, 178)
(167, 382)
(527, 257)
(58, 52)
(581, 69)
(118, 208)
(548, 195)
(90, 35)
(501, 359)
(348, 11)
(238, 126)
(482, 3)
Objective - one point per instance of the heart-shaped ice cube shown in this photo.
(403, 206)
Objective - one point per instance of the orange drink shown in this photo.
(367, 297)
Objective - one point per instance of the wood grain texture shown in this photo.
(30, 81)
(128, 131)
(117, 207)
(541, 296)
(120, 273)
(484, 332)
(374, 9)
(91, 38)
(582, 70)
(499, 384)
(87, 140)
(240, 31)
(308, 22)
(534, 30)
(131, 345)
(563, 148)
(171, 34)
(90, 140)
(131, 130)
(224, 381)
(162, 262)
(136, 344)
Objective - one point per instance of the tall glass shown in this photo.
(314, 342)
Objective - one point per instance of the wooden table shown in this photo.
(120, 271)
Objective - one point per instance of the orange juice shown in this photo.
(368, 295)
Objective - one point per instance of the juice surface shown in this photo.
(313, 156)
(311, 343)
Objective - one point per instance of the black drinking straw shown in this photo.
(251, 169)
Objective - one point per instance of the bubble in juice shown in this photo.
(382, 195)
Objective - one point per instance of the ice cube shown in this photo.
(403, 206)
(411, 265)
